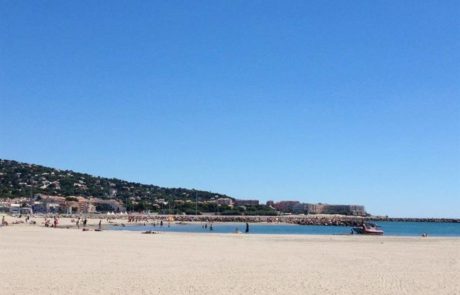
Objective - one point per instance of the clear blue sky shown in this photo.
(317, 101)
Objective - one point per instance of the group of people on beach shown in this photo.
(48, 221)
(77, 223)
(27, 220)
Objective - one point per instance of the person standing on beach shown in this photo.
(247, 227)
(100, 224)
(84, 222)
(78, 223)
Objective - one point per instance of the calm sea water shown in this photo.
(390, 228)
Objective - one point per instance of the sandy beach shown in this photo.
(39, 260)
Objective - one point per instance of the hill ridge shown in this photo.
(19, 179)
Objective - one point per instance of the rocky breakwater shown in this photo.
(324, 220)
(403, 219)
(328, 221)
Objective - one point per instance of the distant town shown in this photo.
(41, 203)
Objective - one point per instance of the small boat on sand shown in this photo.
(368, 229)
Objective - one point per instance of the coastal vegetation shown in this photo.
(22, 180)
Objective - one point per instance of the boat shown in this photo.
(368, 229)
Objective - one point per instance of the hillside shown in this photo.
(22, 180)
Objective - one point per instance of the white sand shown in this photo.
(38, 260)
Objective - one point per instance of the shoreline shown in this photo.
(145, 225)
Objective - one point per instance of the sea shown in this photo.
(390, 228)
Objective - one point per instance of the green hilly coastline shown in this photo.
(23, 179)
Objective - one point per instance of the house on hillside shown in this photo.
(246, 202)
(224, 201)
